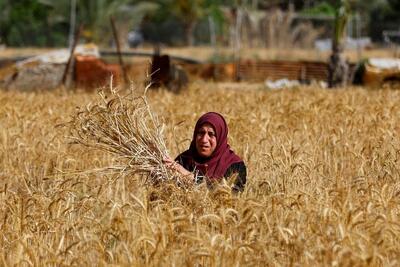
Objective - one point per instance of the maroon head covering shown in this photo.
(221, 159)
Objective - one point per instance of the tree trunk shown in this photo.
(189, 33)
(213, 35)
(338, 68)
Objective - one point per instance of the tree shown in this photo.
(338, 67)
(188, 12)
(4, 20)
(95, 14)
(24, 23)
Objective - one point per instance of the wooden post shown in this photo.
(72, 23)
(71, 55)
(238, 39)
(121, 63)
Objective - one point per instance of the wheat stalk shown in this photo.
(126, 127)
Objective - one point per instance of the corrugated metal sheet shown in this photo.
(292, 70)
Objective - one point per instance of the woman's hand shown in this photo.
(173, 165)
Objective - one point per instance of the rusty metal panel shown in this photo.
(293, 70)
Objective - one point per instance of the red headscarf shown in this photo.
(222, 158)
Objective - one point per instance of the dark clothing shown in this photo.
(238, 168)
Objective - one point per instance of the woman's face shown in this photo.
(206, 140)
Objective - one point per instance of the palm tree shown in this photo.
(189, 12)
(94, 15)
(338, 67)
(130, 15)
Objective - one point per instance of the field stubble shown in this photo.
(323, 184)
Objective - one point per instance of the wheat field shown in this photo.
(323, 183)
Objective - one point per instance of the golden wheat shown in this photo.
(126, 127)
(323, 185)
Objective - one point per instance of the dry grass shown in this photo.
(323, 186)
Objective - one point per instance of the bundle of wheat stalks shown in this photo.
(126, 127)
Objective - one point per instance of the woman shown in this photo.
(209, 155)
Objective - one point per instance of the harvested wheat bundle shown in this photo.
(126, 127)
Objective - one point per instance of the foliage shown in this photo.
(385, 17)
(95, 16)
(46, 22)
(26, 23)
(322, 8)
(395, 5)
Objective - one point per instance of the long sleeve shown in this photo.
(199, 176)
(241, 171)
(238, 169)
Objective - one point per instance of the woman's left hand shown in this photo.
(173, 165)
